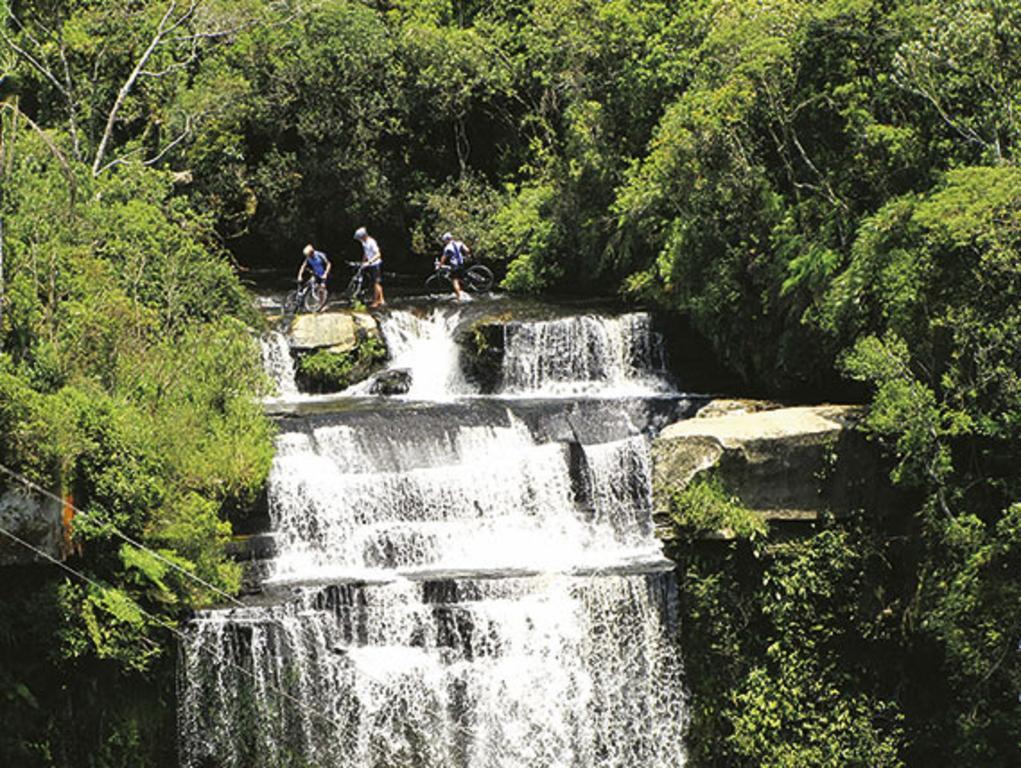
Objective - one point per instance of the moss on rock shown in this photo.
(704, 508)
(325, 370)
(482, 347)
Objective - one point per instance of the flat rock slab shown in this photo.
(756, 425)
(787, 463)
(336, 331)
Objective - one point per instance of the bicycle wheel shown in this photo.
(291, 302)
(354, 287)
(315, 298)
(478, 279)
(437, 283)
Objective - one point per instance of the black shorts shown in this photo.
(375, 273)
(458, 272)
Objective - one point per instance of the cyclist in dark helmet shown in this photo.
(455, 253)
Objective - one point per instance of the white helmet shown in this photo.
(447, 237)
(361, 233)
(308, 250)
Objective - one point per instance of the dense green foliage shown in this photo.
(704, 507)
(824, 188)
(795, 652)
(127, 370)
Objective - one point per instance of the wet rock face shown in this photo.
(34, 519)
(392, 382)
(787, 463)
(482, 346)
(335, 331)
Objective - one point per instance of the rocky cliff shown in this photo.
(781, 463)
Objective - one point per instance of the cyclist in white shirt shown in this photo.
(372, 258)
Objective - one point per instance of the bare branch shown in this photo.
(122, 160)
(72, 107)
(194, 4)
(39, 66)
(183, 46)
(180, 137)
(129, 156)
(170, 68)
(126, 88)
(54, 149)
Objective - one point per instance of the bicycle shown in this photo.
(475, 279)
(358, 287)
(311, 295)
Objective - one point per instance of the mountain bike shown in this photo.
(311, 295)
(475, 279)
(359, 287)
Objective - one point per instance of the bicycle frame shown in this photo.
(356, 286)
(296, 300)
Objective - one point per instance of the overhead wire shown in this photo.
(165, 623)
(119, 534)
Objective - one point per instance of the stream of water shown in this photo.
(460, 581)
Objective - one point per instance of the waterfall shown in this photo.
(559, 671)
(619, 483)
(584, 354)
(467, 583)
(425, 345)
(343, 501)
(588, 355)
(276, 359)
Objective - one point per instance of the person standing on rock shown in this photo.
(372, 259)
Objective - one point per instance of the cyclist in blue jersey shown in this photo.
(317, 263)
(455, 253)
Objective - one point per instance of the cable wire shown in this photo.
(120, 534)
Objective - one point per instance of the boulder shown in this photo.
(35, 519)
(396, 381)
(786, 463)
(336, 331)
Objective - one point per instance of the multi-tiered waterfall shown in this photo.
(459, 584)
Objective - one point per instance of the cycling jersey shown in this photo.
(454, 252)
(317, 263)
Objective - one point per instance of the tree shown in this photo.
(76, 54)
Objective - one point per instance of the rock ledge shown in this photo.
(785, 463)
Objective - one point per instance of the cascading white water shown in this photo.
(476, 497)
(470, 588)
(618, 478)
(276, 359)
(558, 671)
(425, 346)
(583, 354)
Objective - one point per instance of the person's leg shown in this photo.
(457, 288)
(377, 288)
